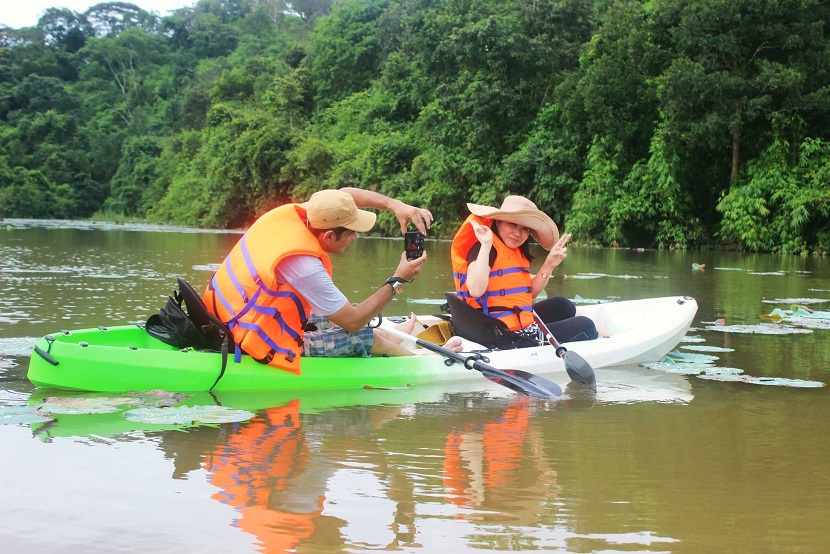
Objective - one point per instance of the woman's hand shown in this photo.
(483, 233)
(558, 253)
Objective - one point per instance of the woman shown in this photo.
(491, 267)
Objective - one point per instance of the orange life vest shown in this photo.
(509, 294)
(266, 318)
(501, 447)
(262, 457)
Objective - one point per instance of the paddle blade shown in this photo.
(522, 382)
(580, 370)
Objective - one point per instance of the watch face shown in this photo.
(397, 287)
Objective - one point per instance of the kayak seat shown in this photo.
(215, 332)
(476, 326)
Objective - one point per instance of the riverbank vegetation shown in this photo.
(664, 123)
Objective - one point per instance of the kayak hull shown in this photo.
(126, 358)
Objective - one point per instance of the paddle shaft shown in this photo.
(519, 381)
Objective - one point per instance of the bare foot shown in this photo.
(454, 344)
(409, 325)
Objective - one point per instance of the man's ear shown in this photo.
(328, 236)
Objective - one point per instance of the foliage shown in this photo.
(659, 123)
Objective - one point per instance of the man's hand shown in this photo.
(421, 218)
(409, 269)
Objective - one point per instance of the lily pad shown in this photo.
(759, 329)
(579, 300)
(599, 275)
(685, 357)
(429, 301)
(13, 415)
(705, 348)
(188, 415)
(72, 406)
(795, 300)
(768, 381)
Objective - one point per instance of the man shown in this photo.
(279, 273)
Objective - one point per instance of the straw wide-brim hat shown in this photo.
(521, 211)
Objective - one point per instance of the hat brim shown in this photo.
(363, 223)
(541, 226)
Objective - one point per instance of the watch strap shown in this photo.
(396, 283)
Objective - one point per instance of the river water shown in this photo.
(658, 461)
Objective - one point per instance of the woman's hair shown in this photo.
(525, 246)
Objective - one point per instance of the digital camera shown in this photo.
(414, 242)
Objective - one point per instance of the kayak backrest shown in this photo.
(194, 328)
(476, 326)
(210, 326)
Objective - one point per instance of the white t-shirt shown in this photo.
(308, 275)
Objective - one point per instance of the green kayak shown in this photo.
(127, 358)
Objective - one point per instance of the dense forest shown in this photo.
(657, 124)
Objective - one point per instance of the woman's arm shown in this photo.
(556, 256)
(478, 271)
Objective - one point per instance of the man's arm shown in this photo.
(420, 217)
(352, 318)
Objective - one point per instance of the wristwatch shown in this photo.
(396, 283)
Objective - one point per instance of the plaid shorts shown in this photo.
(335, 342)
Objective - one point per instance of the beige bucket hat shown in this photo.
(521, 211)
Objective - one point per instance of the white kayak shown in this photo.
(641, 331)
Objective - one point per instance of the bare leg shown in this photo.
(383, 345)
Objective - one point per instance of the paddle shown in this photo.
(578, 369)
(519, 381)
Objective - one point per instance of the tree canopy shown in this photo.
(656, 123)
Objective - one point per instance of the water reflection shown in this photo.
(370, 477)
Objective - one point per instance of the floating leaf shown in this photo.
(579, 300)
(769, 381)
(13, 415)
(188, 415)
(75, 405)
(760, 329)
(796, 301)
(708, 348)
(429, 301)
(698, 267)
(685, 357)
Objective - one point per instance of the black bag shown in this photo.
(479, 327)
(197, 328)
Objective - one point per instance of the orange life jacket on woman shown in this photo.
(509, 294)
(266, 318)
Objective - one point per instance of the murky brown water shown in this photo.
(657, 462)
